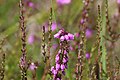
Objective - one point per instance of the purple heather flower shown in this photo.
(57, 58)
(31, 4)
(59, 51)
(54, 46)
(32, 66)
(54, 72)
(62, 35)
(118, 1)
(65, 60)
(88, 33)
(71, 48)
(62, 67)
(52, 68)
(87, 55)
(58, 79)
(31, 39)
(60, 31)
(54, 26)
(62, 38)
(63, 1)
(66, 37)
(62, 56)
(71, 36)
(82, 21)
(57, 66)
(77, 35)
(65, 52)
(57, 35)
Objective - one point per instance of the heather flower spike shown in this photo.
(61, 59)
(82, 50)
(23, 62)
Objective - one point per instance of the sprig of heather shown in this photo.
(82, 42)
(23, 62)
(49, 37)
(107, 20)
(79, 69)
(96, 71)
(2, 64)
(98, 62)
(47, 56)
(43, 43)
(61, 59)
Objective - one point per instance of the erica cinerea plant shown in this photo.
(47, 53)
(82, 40)
(61, 58)
(24, 65)
(92, 53)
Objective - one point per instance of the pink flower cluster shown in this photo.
(62, 35)
(61, 59)
(61, 65)
(63, 2)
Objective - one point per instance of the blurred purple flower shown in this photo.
(54, 26)
(52, 68)
(87, 55)
(31, 4)
(54, 46)
(31, 39)
(71, 48)
(63, 1)
(88, 33)
(77, 35)
(118, 1)
(32, 66)
(82, 21)
(62, 38)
